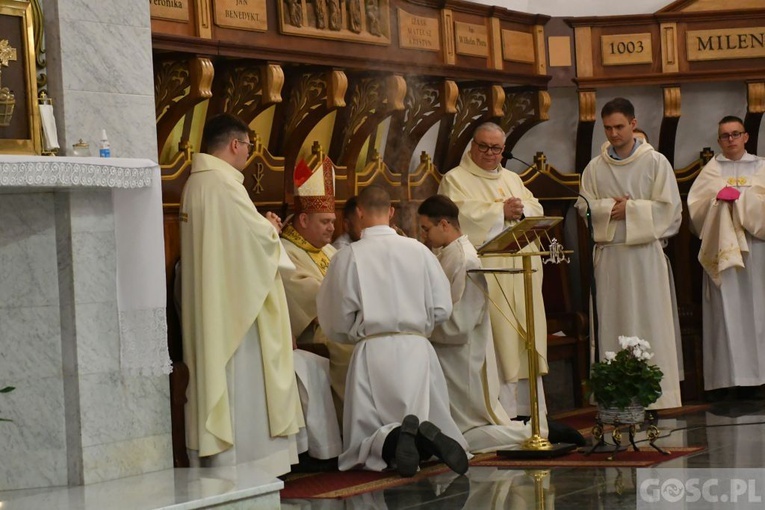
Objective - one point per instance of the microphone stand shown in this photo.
(590, 246)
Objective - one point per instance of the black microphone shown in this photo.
(588, 217)
(588, 214)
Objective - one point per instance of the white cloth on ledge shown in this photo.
(80, 172)
(141, 292)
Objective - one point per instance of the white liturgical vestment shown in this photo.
(480, 196)
(733, 256)
(633, 290)
(386, 293)
(465, 349)
(302, 285)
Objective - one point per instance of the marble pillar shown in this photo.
(117, 425)
(77, 418)
(100, 74)
(33, 445)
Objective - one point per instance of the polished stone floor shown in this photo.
(733, 434)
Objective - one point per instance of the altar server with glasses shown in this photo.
(727, 209)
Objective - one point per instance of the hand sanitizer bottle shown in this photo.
(104, 148)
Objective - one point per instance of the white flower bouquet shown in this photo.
(626, 377)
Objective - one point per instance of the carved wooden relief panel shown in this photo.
(366, 99)
(179, 85)
(360, 21)
(372, 99)
(426, 103)
(523, 110)
(264, 177)
(171, 79)
(312, 95)
(245, 89)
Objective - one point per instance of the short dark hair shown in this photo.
(440, 207)
(618, 105)
(220, 130)
(730, 118)
(374, 199)
(350, 206)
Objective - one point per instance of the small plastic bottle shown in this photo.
(104, 148)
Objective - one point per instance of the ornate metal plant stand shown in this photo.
(621, 419)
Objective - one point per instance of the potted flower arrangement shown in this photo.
(625, 383)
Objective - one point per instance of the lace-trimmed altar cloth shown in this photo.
(138, 228)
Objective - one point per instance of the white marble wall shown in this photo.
(32, 446)
(124, 421)
(77, 418)
(100, 73)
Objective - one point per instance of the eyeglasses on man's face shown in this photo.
(731, 136)
(250, 145)
(482, 147)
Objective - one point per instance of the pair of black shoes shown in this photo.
(420, 441)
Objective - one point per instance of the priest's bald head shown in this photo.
(228, 138)
(374, 207)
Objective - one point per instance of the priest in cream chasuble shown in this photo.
(243, 403)
(491, 198)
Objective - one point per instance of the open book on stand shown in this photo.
(516, 237)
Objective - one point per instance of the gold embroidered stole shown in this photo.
(317, 254)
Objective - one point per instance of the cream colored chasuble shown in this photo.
(302, 284)
(231, 283)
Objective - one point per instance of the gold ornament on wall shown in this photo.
(20, 131)
(7, 98)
